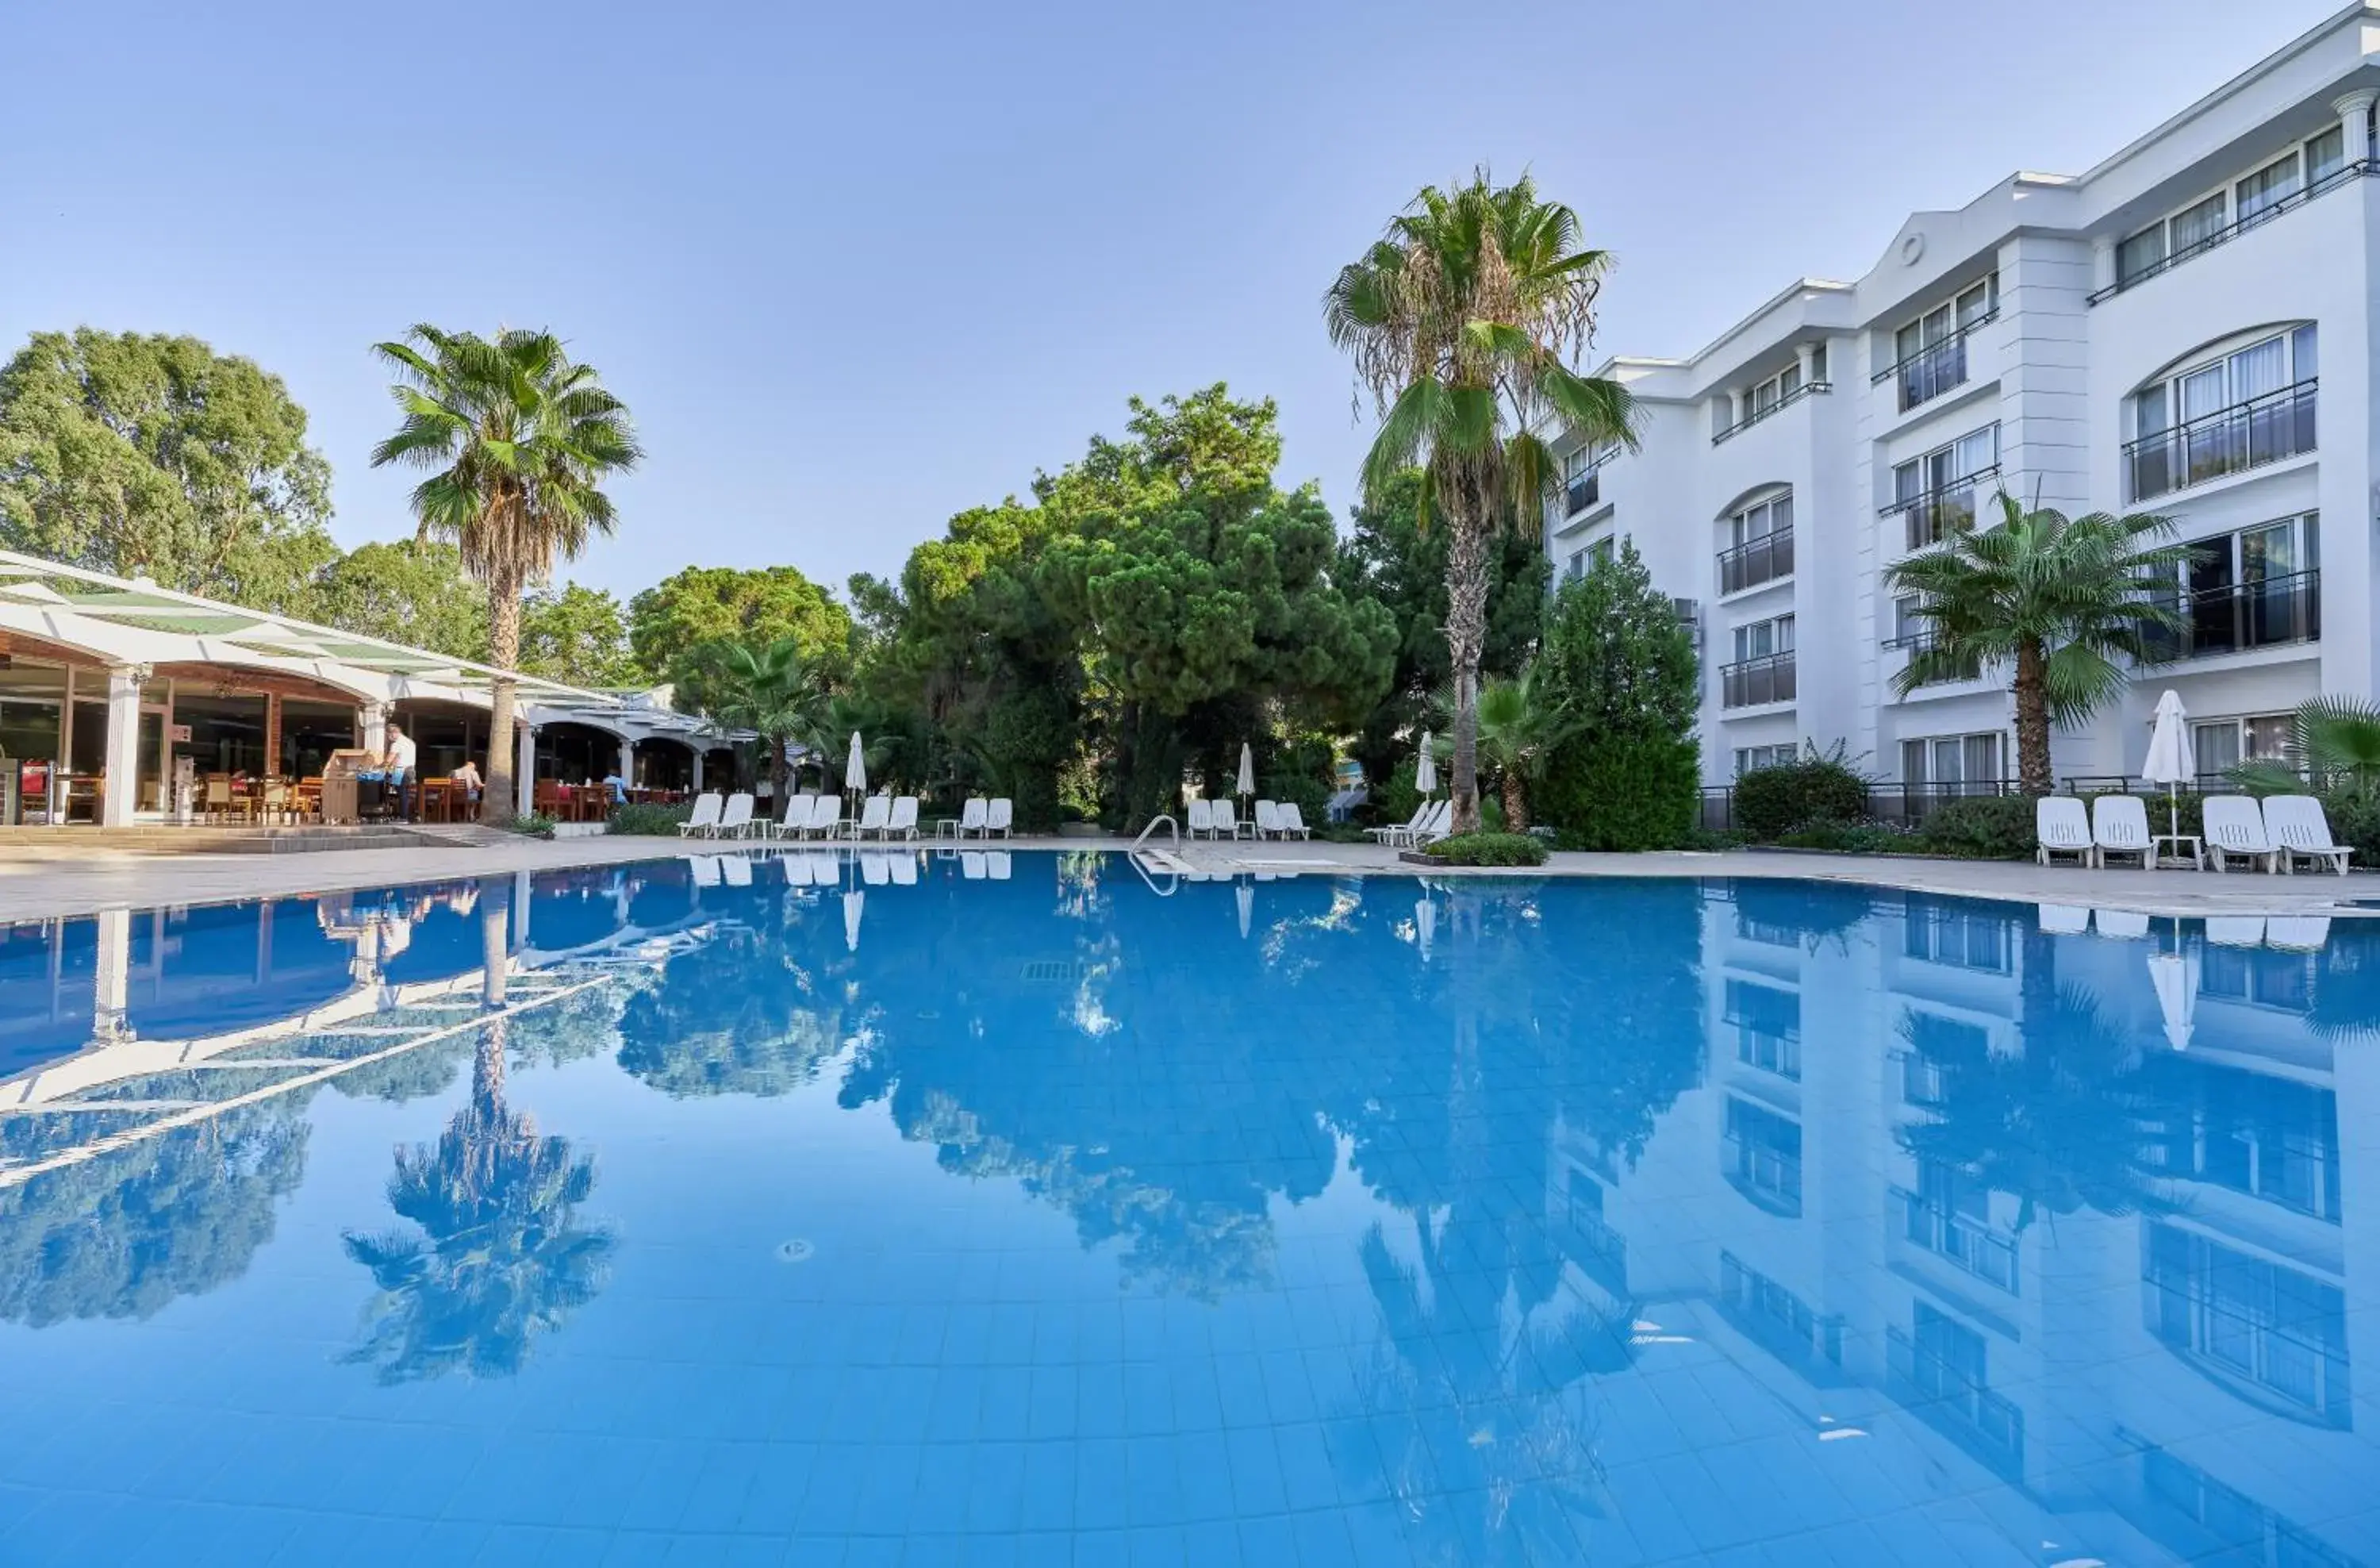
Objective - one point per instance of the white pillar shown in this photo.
(524, 768)
(1809, 353)
(112, 988)
(2354, 112)
(123, 784)
(628, 761)
(375, 722)
(698, 768)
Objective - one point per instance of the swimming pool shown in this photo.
(905, 1209)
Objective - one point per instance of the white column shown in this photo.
(123, 784)
(628, 761)
(112, 989)
(698, 768)
(2103, 265)
(524, 767)
(1809, 353)
(2355, 119)
(375, 722)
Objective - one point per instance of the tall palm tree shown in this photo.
(777, 692)
(520, 440)
(1464, 320)
(2060, 599)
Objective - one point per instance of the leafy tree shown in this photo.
(577, 636)
(715, 604)
(1627, 773)
(2060, 599)
(153, 455)
(1461, 319)
(776, 691)
(519, 440)
(1388, 556)
(410, 590)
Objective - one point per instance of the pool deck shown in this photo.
(45, 884)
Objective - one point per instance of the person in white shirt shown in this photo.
(399, 762)
(466, 779)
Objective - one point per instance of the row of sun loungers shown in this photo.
(821, 816)
(877, 868)
(1427, 825)
(2273, 835)
(1221, 819)
(2291, 933)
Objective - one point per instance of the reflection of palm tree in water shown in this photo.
(499, 1258)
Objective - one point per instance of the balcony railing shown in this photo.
(1913, 643)
(1935, 368)
(2229, 441)
(2231, 231)
(1931, 517)
(1748, 682)
(1976, 1250)
(1582, 489)
(1949, 1395)
(1756, 560)
(1745, 423)
(2238, 617)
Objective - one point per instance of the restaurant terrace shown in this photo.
(106, 679)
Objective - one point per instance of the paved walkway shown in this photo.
(39, 883)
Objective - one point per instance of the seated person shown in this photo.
(618, 786)
(466, 779)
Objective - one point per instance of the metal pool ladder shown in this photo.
(1143, 857)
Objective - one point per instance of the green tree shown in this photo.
(411, 592)
(1388, 556)
(519, 440)
(754, 607)
(1461, 320)
(1521, 726)
(577, 636)
(2058, 598)
(1626, 773)
(148, 454)
(776, 691)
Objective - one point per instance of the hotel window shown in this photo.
(1936, 492)
(1600, 552)
(1946, 932)
(1767, 1021)
(1952, 764)
(2173, 237)
(1763, 638)
(1930, 353)
(2223, 743)
(2256, 1325)
(1748, 758)
(1762, 518)
(2237, 411)
(1763, 1157)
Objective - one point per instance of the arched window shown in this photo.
(2236, 404)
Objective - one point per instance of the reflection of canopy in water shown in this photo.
(224, 966)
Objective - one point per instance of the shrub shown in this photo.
(1981, 827)
(1772, 802)
(1622, 666)
(1849, 838)
(1311, 793)
(660, 821)
(2355, 822)
(1394, 798)
(534, 826)
(1488, 849)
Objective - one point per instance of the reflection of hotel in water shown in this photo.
(2195, 1375)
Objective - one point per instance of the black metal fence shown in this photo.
(2239, 617)
(1756, 560)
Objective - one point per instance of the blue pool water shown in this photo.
(1001, 1210)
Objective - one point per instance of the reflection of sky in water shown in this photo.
(1629, 1223)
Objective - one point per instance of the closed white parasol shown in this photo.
(1426, 769)
(2172, 759)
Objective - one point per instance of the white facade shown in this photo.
(2187, 329)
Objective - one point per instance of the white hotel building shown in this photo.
(2190, 329)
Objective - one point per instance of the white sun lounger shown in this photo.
(996, 862)
(1200, 816)
(974, 815)
(737, 869)
(2236, 931)
(1400, 831)
(705, 817)
(1267, 820)
(2063, 919)
(1290, 821)
(875, 869)
(736, 820)
(902, 823)
(875, 813)
(2301, 831)
(1227, 819)
(1000, 817)
(706, 871)
(2298, 933)
(2124, 925)
(905, 868)
(971, 865)
(2234, 828)
(2061, 826)
(2119, 825)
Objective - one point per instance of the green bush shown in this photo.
(1622, 794)
(660, 822)
(2355, 822)
(1488, 849)
(1311, 793)
(1981, 827)
(1772, 802)
(1849, 838)
(534, 826)
(1394, 798)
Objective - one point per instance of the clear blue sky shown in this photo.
(856, 267)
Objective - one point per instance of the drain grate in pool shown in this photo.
(795, 1251)
(1049, 971)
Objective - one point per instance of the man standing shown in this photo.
(399, 763)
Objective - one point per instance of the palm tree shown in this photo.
(1461, 320)
(777, 691)
(2058, 598)
(1520, 725)
(520, 440)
